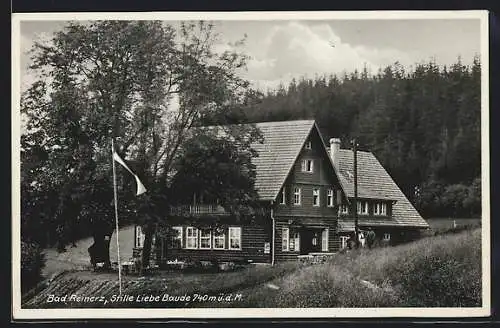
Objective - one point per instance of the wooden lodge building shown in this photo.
(307, 188)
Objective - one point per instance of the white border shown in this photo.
(19, 313)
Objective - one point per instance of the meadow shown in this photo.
(436, 271)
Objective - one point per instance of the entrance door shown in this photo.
(310, 241)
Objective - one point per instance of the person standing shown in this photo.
(370, 238)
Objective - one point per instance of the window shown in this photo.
(139, 237)
(387, 236)
(364, 210)
(383, 209)
(344, 209)
(324, 240)
(329, 198)
(283, 196)
(296, 196)
(290, 241)
(343, 241)
(308, 145)
(315, 197)
(315, 239)
(219, 239)
(176, 237)
(191, 238)
(362, 207)
(205, 238)
(307, 165)
(380, 209)
(234, 238)
(285, 238)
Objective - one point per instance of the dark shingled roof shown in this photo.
(375, 183)
(277, 154)
(282, 144)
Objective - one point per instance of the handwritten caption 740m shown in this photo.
(145, 298)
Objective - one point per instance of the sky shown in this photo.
(280, 50)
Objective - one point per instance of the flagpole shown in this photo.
(116, 217)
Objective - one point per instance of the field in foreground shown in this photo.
(439, 271)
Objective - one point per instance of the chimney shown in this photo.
(334, 151)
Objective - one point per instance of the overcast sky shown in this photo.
(281, 50)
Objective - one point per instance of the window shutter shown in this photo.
(297, 242)
(285, 237)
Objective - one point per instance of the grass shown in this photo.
(436, 271)
(440, 271)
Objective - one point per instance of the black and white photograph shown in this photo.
(251, 165)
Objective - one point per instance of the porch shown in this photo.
(305, 240)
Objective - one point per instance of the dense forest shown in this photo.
(423, 124)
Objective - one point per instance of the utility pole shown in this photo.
(355, 206)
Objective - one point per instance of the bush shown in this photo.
(446, 274)
(437, 271)
(32, 263)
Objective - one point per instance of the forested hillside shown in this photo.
(422, 123)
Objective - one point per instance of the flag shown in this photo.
(140, 187)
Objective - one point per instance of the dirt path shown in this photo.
(77, 258)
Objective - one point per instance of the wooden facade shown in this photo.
(302, 189)
(312, 223)
(252, 243)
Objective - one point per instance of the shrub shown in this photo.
(445, 274)
(438, 271)
(32, 263)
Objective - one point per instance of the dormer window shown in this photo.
(380, 209)
(363, 207)
(308, 165)
(308, 145)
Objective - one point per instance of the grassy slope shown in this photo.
(77, 258)
(435, 271)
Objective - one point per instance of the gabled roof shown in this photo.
(277, 154)
(375, 183)
(282, 143)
